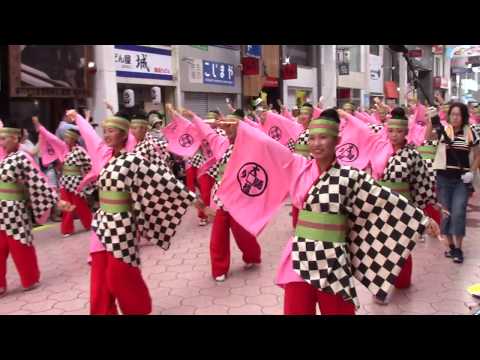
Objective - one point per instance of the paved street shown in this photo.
(180, 281)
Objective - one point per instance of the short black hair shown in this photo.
(75, 131)
(215, 111)
(239, 112)
(464, 113)
(308, 104)
(139, 114)
(124, 114)
(330, 114)
(398, 113)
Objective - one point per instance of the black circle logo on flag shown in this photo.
(275, 132)
(348, 152)
(206, 149)
(253, 179)
(50, 150)
(186, 140)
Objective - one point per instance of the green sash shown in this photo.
(322, 226)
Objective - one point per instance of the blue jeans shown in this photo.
(453, 195)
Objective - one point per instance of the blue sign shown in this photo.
(218, 73)
(254, 51)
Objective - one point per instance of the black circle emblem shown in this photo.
(186, 140)
(347, 152)
(275, 132)
(50, 150)
(253, 179)
(206, 149)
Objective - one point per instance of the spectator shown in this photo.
(454, 174)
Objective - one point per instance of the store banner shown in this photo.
(136, 61)
(254, 51)
(250, 66)
(289, 71)
(218, 73)
(376, 74)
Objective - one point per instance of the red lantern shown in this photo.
(289, 71)
(250, 66)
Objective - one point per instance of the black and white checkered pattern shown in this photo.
(291, 145)
(77, 157)
(375, 127)
(429, 162)
(303, 138)
(153, 149)
(383, 230)
(159, 202)
(15, 217)
(216, 171)
(407, 165)
(197, 160)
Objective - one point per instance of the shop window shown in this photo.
(375, 50)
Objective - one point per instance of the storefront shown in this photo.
(208, 76)
(142, 68)
(303, 88)
(43, 80)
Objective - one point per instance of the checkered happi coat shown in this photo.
(383, 230)
(429, 162)
(158, 200)
(407, 165)
(216, 171)
(15, 217)
(153, 149)
(77, 157)
(199, 158)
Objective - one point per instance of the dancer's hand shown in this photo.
(72, 114)
(65, 206)
(199, 204)
(432, 228)
(209, 212)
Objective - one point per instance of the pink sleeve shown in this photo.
(95, 146)
(362, 117)
(218, 144)
(286, 113)
(58, 146)
(316, 112)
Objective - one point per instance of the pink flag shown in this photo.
(183, 137)
(51, 147)
(281, 129)
(47, 153)
(256, 179)
(382, 150)
(316, 112)
(355, 148)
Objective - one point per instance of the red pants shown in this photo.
(295, 212)
(220, 243)
(113, 280)
(404, 279)
(204, 183)
(435, 214)
(82, 209)
(23, 256)
(301, 298)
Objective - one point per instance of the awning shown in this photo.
(419, 66)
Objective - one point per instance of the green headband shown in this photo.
(139, 122)
(232, 118)
(306, 109)
(323, 126)
(10, 131)
(71, 134)
(397, 124)
(117, 122)
(211, 115)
